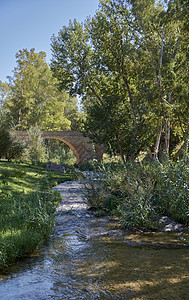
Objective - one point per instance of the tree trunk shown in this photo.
(156, 149)
(186, 144)
(19, 118)
(150, 153)
(120, 149)
(130, 98)
(161, 56)
(167, 135)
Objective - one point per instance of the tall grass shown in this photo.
(138, 192)
(27, 206)
(25, 221)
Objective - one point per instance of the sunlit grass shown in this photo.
(27, 206)
(30, 177)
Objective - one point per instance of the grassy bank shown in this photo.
(27, 206)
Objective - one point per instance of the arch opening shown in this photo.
(76, 154)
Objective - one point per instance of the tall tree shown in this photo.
(35, 98)
(128, 63)
(5, 93)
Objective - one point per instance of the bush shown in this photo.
(137, 212)
(35, 151)
(93, 194)
(140, 191)
(110, 202)
(171, 190)
(90, 165)
(16, 243)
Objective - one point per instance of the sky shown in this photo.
(31, 24)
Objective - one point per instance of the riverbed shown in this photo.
(89, 257)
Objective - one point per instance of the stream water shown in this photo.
(90, 257)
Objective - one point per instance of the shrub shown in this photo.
(16, 243)
(35, 150)
(90, 165)
(171, 190)
(110, 202)
(137, 212)
(140, 191)
(93, 194)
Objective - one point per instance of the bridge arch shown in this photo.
(67, 143)
(81, 146)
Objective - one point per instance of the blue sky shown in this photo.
(31, 23)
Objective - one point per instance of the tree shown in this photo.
(35, 148)
(4, 93)
(128, 63)
(75, 115)
(74, 65)
(5, 141)
(35, 98)
(164, 42)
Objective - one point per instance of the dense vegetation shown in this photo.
(27, 206)
(138, 193)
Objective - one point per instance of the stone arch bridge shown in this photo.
(81, 146)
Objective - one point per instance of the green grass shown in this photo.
(25, 177)
(27, 206)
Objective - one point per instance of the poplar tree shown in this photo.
(129, 65)
(35, 99)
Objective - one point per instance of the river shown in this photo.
(90, 257)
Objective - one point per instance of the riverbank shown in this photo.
(27, 206)
(170, 233)
(90, 257)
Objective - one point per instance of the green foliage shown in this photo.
(111, 202)
(5, 138)
(35, 151)
(10, 147)
(171, 190)
(136, 213)
(15, 244)
(5, 94)
(26, 217)
(90, 165)
(25, 221)
(93, 194)
(129, 65)
(5, 141)
(30, 211)
(136, 193)
(35, 98)
(58, 152)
